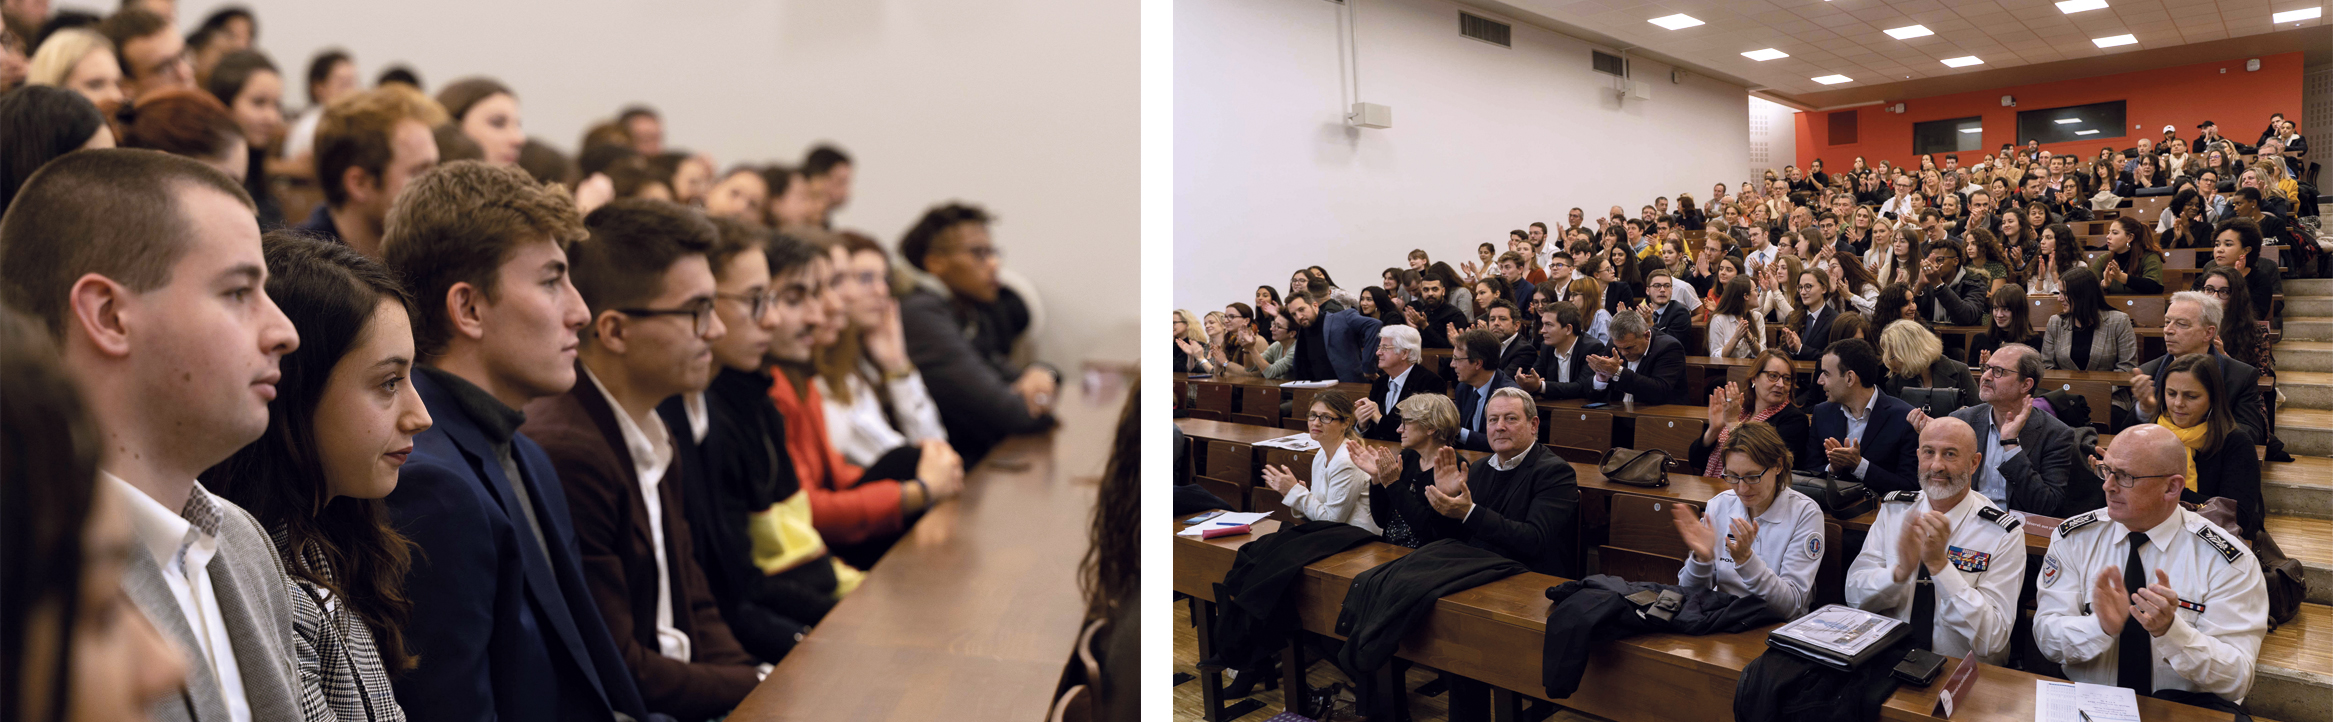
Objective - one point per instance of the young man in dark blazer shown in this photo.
(1948, 294)
(1670, 318)
(1398, 354)
(1644, 367)
(644, 275)
(1562, 369)
(511, 631)
(1517, 352)
(1477, 380)
(1875, 443)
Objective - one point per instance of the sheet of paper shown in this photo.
(1841, 629)
(1223, 520)
(2053, 701)
(1309, 384)
(1292, 442)
(2107, 703)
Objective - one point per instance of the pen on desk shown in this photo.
(2085, 715)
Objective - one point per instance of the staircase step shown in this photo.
(2294, 675)
(2301, 487)
(2309, 541)
(2304, 356)
(2306, 432)
(2308, 306)
(2305, 389)
(2307, 287)
(2308, 328)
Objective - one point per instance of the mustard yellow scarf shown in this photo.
(2191, 436)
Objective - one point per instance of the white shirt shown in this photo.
(1683, 293)
(1338, 491)
(1722, 329)
(1856, 425)
(1563, 362)
(1975, 593)
(1393, 385)
(651, 450)
(184, 552)
(1602, 382)
(1759, 258)
(2214, 638)
(1783, 557)
(860, 430)
(302, 138)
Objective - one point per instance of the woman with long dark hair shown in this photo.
(1110, 573)
(1895, 302)
(2236, 245)
(2241, 339)
(2132, 264)
(1984, 253)
(2011, 321)
(1734, 330)
(2057, 252)
(342, 423)
(1267, 301)
(39, 123)
(251, 88)
(2185, 227)
(2220, 459)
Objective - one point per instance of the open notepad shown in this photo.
(2060, 701)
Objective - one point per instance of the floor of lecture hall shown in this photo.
(1188, 704)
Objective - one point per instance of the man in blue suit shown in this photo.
(504, 625)
(1351, 341)
(1859, 432)
(1475, 360)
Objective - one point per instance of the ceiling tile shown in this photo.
(1835, 21)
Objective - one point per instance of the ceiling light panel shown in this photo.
(1765, 55)
(1834, 79)
(1963, 61)
(2116, 41)
(2070, 7)
(1678, 21)
(2294, 16)
(1910, 31)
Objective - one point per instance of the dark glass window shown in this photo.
(2096, 121)
(1949, 136)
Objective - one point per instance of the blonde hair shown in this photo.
(63, 50)
(1435, 412)
(1906, 348)
(1192, 329)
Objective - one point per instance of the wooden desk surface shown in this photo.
(975, 612)
(1495, 633)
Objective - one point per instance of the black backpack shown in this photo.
(2069, 407)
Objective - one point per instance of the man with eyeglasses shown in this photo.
(644, 276)
(1474, 362)
(152, 53)
(1664, 314)
(1398, 353)
(1520, 502)
(2190, 325)
(1644, 367)
(961, 325)
(1944, 559)
(2026, 458)
(2144, 594)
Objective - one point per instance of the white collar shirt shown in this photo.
(1783, 558)
(184, 550)
(1975, 592)
(1856, 423)
(651, 450)
(1338, 492)
(2214, 638)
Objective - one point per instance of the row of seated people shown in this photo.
(514, 462)
(2135, 591)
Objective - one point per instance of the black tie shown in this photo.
(2136, 668)
(1924, 612)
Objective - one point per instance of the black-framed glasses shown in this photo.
(1996, 370)
(756, 304)
(1325, 418)
(2221, 291)
(700, 314)
(1740, 479)
(2126, 479)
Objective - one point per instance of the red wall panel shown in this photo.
(2238, 100)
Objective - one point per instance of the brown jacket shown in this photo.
(578, 430)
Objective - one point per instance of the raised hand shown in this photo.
(1721, 407)
(1911, 547)
(1844, 456)
(1935, 533)
(1280, 479)
(2109, 602)
(2156, 605)
(1605, 366)
(1530, 381)
(1919, 420)
(1737, 545)
(1371, 460)
(2142, 394)
(1449, 474)
(2016, 422)
(1365, 412)
(1790, 338)
(1700, 538)
(1449, 495)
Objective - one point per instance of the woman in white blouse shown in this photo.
(1734, 330)
(1760, 536)
(875, 399)
(1339, 490)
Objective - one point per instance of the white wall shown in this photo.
(1485, 139)
(1772, 129)
(1027, 107)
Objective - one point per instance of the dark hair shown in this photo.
(2142, 240)
(2240, 329)
(596, 158)
(1891, 303)
(360, 130)
(464, 94)
(1513, 312)
(632, 175)
(1499, 289)
(1733, 300)
(2184, 198)
(822, 160)
(453, 144)
(181, 122)
(457, 223)
(1112, 567)
(38, 123)
(1856, 356)
(1849, 325)
(632, 243)
(546, 164)
(398, 74)
(2247, 235)
(1482, 346)
(330, 292)
(125, 213)
(1948, 246)
(1273, 293)
(1566, 315)
(1320, 274)
(733, 237)
(129, 24)
(48, 486)
(219, 18)
(919, 239)
(637, 110)
(2069, 248)
(2085, 299)
(1383, 301)
(2011, 296)
(2218, 421)
(788, 252)
(320, 70)
(235, 71)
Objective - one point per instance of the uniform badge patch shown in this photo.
(1901, 496)
(1969, 560)
(2005, 520)
(2077, 521)
(1814, 546)
(2227, 551)
(2049, 569)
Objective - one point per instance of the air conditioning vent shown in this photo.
(1609, 63)
(1486, 30)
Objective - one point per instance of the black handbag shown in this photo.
(1839, 498)
(1648, 468)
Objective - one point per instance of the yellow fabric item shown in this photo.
(783, 537)
(2191, 436)
(846, 578)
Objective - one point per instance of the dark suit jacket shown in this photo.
(1659, 378)
(2232, 472)
(1889, 443)
(1470, 434)
(579, 431)
(1439, 316)
(509, 634)
(1811, 342)
(1524, 290)
(1350, 340)
(1966, 302)
(2040, 474)
(1417, 380)
(1578, 386)
(2240, 386)
(1521, 354)
(1674, 321)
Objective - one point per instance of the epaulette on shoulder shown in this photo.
(2211, 535)
(2077, 521)
(1901, 496)
(2000, 518)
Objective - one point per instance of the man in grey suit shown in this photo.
(160, 309)
(2028, 456)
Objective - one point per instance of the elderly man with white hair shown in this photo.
(2147, 595)
(2190, 325)
(1399, 349)
(1944, 559)
(1522, 501)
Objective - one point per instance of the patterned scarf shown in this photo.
(1716, 466)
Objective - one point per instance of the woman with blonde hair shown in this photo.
(1915, 358)
(1398, 480)
(1338, 488)
(1190, 343)
(80, 60)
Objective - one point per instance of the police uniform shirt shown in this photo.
(1975, 592)
(2214, 637)
(1783, 557)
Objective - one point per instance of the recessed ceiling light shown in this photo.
(1765, 55)
(2067, 121)
(2070, 7)
(2294, 16)
(1910, 31)
(1972, 130)
(1963, 61)
(1678, 21)
(2092, 131)
(1834, 79)
(2123, 39)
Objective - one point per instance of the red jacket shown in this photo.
(845, 506)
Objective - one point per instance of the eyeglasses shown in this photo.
(700, 314)
(2220, 291)
(2126, 479)
(1325, 418)
(756, 304)
(1997, 370)
(1740, 479)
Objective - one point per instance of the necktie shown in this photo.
(2135, 666)
(1924, 611)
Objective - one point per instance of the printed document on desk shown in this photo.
(1227, 519)
(1292, 442)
